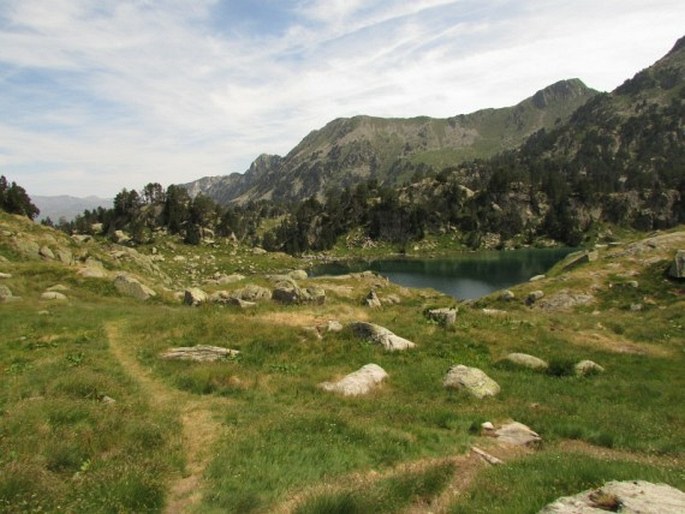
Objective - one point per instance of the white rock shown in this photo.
(360, 382)
(474, 380)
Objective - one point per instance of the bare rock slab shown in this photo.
(360, 382)
(381, 335)
(474, 380)
(517, 434)
(634, 497)
(199, 353)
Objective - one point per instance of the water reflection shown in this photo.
(464, 277)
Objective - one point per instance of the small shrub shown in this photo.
(561, 368)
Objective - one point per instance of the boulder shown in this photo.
(81, 238)
(131, 286)
(517, 434)
(534, 296)
(293, 295)
(194, 296)
(507, 295)
(445, 316)
(537, 278)
(635, 497)
(380, 335)
(565, 300)
(199, 353)
(362, 381)
(576, 259)
(229, 279)
(27, 247)
(371, 300)
(588, 367)
(53, 295)
(298, 274)
(5, 275)
(120, 237)
(526, 361)
(474, 380)
(46, 253)
(677, 269)
(252, 293)
(64, 256)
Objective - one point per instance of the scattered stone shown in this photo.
(534, 296)
(517, 434)
(199, 353)
(81, 238)
(131, 286)
(636, 307)
(194, 296)
(526, 361)
(493, 312)
(635, 496)
(330, 326)
(507, 295)
(391, 299)
(381, 335)
(53, 295)
(258, 251)
(179, 258)
(89, 272)
(362, 381)
(588, 367)
(27, 248)
(445, 316)
(65, 256)
(97, 228)
(473, 380)
(5, 294)
(107, 400)
(46, 253)
(537, 278)
(238, 302)
(298, 274)
(487, 426)
(677, 269)
(5, 275)
(371, 300)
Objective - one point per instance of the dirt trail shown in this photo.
(201, 430)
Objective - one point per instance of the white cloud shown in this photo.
(100, 96)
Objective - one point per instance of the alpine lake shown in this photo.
(465, 277)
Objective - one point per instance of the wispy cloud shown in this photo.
(96, 96)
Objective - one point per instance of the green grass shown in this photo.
(529, 484)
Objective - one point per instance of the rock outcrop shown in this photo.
(445, 316)
(473, 380)
(194, 296)
(381, 335)
(362, 381)
(637, 497)
(291, 294)
(677, 269)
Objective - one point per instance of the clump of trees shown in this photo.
(13, 199)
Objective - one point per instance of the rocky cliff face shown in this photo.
(348, 151)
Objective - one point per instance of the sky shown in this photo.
(97, 96)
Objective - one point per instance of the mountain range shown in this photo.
(348, 151)
(67, 207)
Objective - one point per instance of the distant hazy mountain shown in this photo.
(55, 207)
(350, 150)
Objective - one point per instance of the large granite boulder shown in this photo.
(677, 269)
(380, 335)
(292, 294)
(525, 360)
(194, 296)
(633, 497)
(362, 381)
(473, 380)
(252, 293)
(131, 286)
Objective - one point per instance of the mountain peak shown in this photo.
(560, 91)
(679, 45)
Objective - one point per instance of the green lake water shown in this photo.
(464, 277)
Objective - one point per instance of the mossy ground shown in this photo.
(255, 434)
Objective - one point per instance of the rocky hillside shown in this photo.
(348, 151)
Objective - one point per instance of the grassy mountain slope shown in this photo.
(349, 150)
(255, 434)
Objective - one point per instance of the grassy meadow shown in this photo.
(254, 433)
